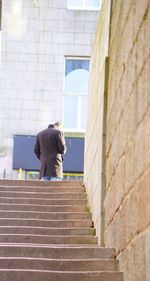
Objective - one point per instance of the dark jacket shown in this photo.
(49, 147)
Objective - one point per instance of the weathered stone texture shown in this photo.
(127, 207)
(134, 260)
(94, 133)
(128, 138)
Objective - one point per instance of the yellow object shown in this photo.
(20, 174)
(73, 174)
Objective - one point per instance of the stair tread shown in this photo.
(53, 201)
(64, 230)
(69, 274)
(50, 259)
(58, 246)
(38, 205)
(49, 208)
(62, 272)
(43, 195)
(5, 187)
(44, 199)
(53, 264)
(46, 222)
(61, 236)
(39, 192)
(46, 215)
(43, 212)
(40, 227)
(34, 219)
(55, 250)
(54, 276)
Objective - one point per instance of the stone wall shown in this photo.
(127, 198)
(94, 133)
(127, 202)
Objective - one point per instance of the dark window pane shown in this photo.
(76, 64)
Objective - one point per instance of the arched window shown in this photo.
(75, 93)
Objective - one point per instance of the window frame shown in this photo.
(78, 95)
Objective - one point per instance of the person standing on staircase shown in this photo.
(49, 148)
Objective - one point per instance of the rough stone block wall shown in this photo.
(94, 132)
(127, 202)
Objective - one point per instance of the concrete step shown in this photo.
(43, 208)
(48, 239)
(45, 223)
(38, 183)
(45, 201)
(39, 275)
(56, 251)
(43, 189)
(42, 195)
(46, 231)
(59, 264)
(45, 215)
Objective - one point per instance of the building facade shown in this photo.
(117, 152)
(45, 52)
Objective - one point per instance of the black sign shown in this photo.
(24, 157)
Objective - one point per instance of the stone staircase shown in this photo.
(46, 234)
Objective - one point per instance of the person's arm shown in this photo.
(61, 142)
(37, 148)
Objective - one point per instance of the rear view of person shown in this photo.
(49, 148)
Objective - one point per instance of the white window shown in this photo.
(84, 4)
(75, 94)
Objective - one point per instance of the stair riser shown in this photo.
(38, 183)
(39, 208)
(59, 265)
(46, 216)
(56, 252)
(39, 195)
(43, 189)
(10, 238)
(49, 202)
(59, 276)
(45, 223)
(47, 231)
